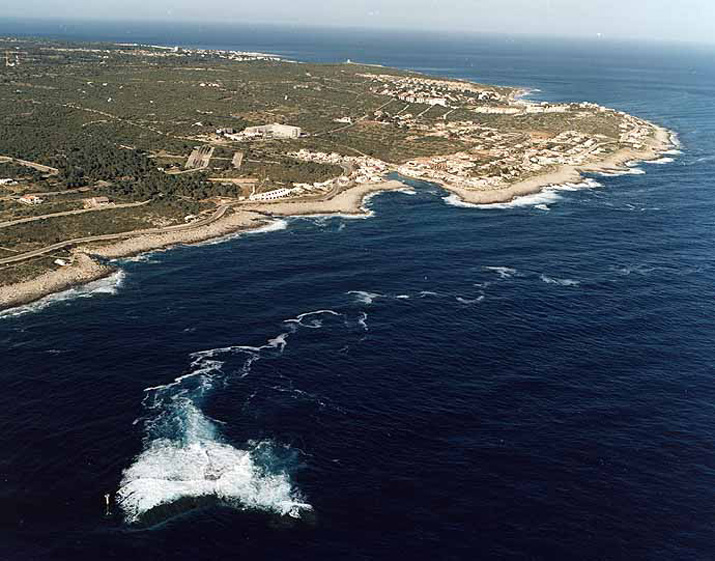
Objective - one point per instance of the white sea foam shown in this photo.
(660, 161)
(109, 285)
(196, 464)
(403, 296)
(624, 171)
(184, 457)
(274, 345)
(469, 301)
(148, 257)
(548, 195)
(365, 297)
(503, 272)
(542, 207)
(315, 323)
(326, 217)
(454, 200)
(674, 139)
(367, 199)
(702, 159)
(273, 226)
(640, 269)
(426, 293)
(204, 370)
(362, 321)
(560, 282)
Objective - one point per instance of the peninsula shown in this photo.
(108, 150)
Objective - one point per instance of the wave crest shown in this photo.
(185, 462)
(195, 465)
(108, 285)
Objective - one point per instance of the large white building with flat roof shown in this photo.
(274, 130)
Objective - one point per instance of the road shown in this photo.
(69, 213)
(220, 212)
(367, 115)
(38, 167)
(57, 193)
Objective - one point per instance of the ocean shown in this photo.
(532, 380)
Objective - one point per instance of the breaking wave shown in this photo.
(314, 322)
(367, 200)
(455, 200)
(631, 170)
(548, 195)
(660, 161)
(364, 297)
(560, 282)
(362, 321)
(109, 285)
(469, 301)
(186, 463)
(196, 467)
(503, 272)
(147, 257)
(273, 226)
(674, 139)
(426, 293)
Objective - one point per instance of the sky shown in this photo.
(667, 20)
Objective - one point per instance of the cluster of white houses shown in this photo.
(364, 169)
(496, 158)
(429, 91)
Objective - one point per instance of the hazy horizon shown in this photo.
(655, 20)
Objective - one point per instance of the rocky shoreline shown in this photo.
(86, 267)
(659, 145)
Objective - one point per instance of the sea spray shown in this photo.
(109, 285)
(548, 195)
(186, 462)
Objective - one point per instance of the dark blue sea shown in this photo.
(531, 381)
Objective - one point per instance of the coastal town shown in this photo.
(111, 149)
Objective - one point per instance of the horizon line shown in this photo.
(387, 29)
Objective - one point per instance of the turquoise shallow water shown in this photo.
(532, 381)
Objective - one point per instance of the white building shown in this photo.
(274, 130)
(31, 200)
(271, 195)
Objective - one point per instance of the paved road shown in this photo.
(68, 213)
(220, 212)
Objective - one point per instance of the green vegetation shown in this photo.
(121, 122)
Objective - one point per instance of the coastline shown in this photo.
(616, 162)
(87, 268)
(347, 203)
